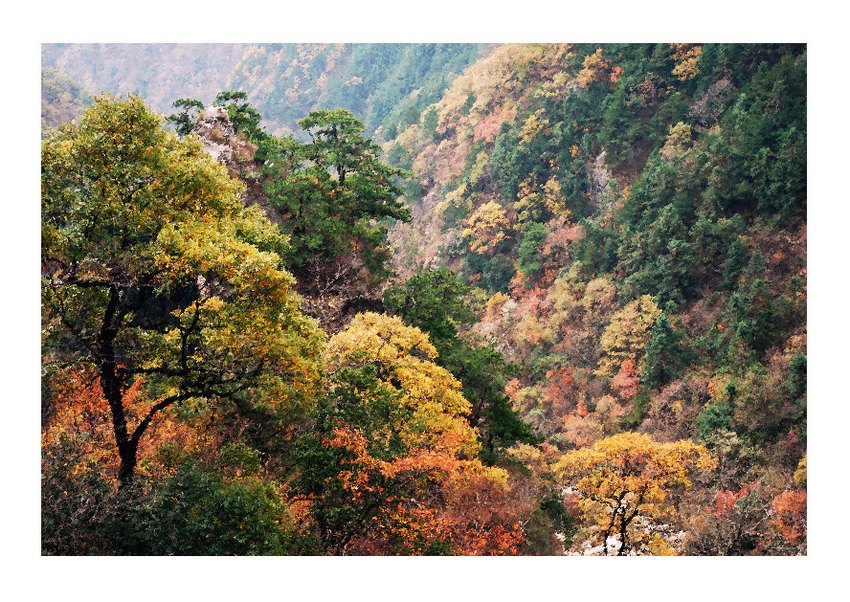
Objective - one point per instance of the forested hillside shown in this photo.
(426, 299)
(636, 218)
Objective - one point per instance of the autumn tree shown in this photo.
(487, 228)
(594, 69)
(435, 302)
(678, 141)
(789, 517)
(627, 484)
(390, 443)
(687, 60)
(540, 203)
(732, 524)
(153, 269)
(627, 334)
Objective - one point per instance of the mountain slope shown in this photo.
(635, 218)
(386, 84)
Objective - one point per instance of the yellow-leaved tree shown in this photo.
(159, 281)
(626, 335)
(687, 60)
(487, 228)
(626, 484)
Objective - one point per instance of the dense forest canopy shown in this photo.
(432, 299)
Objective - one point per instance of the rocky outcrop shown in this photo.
(235, 152)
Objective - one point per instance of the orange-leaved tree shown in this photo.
(391, 460)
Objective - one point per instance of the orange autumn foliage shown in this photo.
(687, 60)
(416, 481)
(594, 69)
(626, 382)
(471, 512)
(81, 420)
(789, 516)
(562, 390)
(582, 429)
(725, 500)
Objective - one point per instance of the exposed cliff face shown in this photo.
(220, 139)
(420, 244)
(234, 152)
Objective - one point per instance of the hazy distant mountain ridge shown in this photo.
(62, 99)
(387, 84)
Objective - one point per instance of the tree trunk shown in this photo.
(110, 384)
(128, 464)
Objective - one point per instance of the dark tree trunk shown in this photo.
(111, 384)
(128, 464)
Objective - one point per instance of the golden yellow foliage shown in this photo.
(593, 69)
(626, 481)
(165, 228)
(406, 359)
(554, 200)
(678, 141)
(598, 296)
(533, 125)
(431, 486)
(687, 60)
(626, 335)
(800, 473)
(487, 227)
(533, 201)
(481, 161)
(558, 86)
(495, 304)
(531, 331)
(455, 199)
